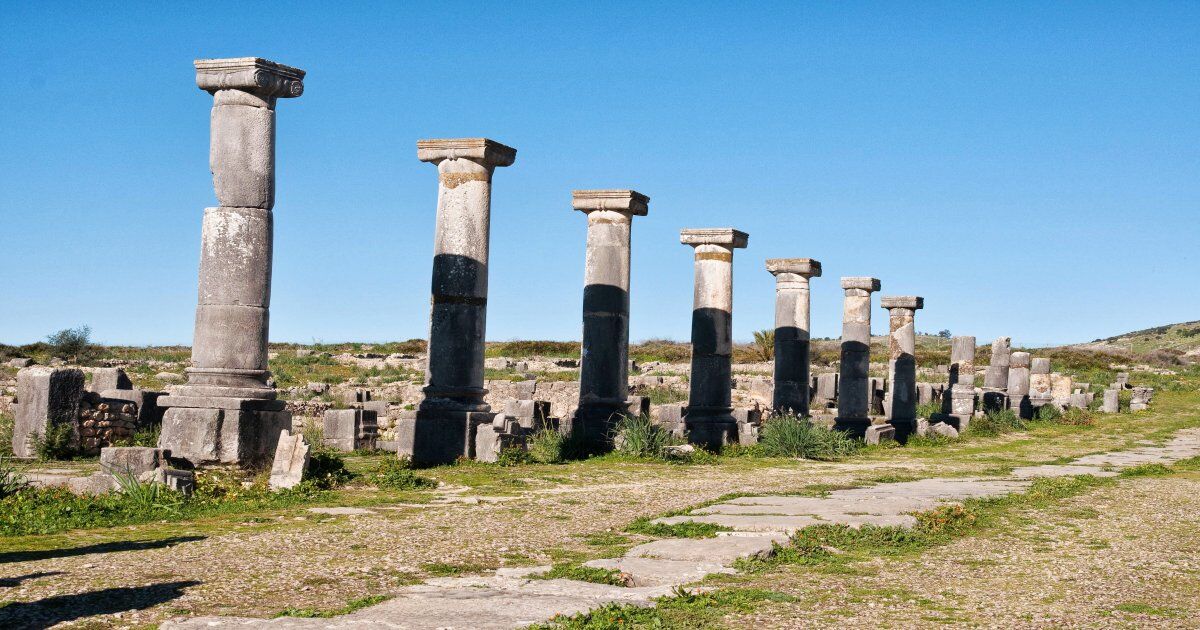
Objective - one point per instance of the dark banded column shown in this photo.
(901, 400)
(792, 322)
(854, 382)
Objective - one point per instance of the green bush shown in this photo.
(794, 436)
(75, 343)
(638, 436)
(1048, 413)
(326, 469)
(995, 423)
(11, 481)
(1077, 417)
(764, 344)
(6, 434)
(929, 410)
(396, 473)
(56, 443)
(548, 447)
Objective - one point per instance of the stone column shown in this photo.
(443, 427)
(902, 362)
(791, 332)
(227, 412)
(996, 377)
(1018, 385)
(854, 384)
(708, 419)
(1041, 387)
(604, 361)
(961, 402)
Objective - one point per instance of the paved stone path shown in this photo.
(510, 599)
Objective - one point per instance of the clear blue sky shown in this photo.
(1031, 170)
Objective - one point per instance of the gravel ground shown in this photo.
(1121, 556)
(258, 566)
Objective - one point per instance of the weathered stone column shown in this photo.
(854, 384)
(227, 412)
(1018, 385)
(708, 418)
(902, 362)
(791, 332)
(961, 402)
(443, 427)
(604, 361)
(1041, 386)
(996, 376)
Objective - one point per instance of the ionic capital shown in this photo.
(487, 152)
(910, 302)
(261, 77)
(806, 267)
(724, 237)
(630, 202)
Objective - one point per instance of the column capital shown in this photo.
(480, 149)
(910, 302)
(249, 74)
(862, 283)
(726, 237)
(806, 267)
(630, 201)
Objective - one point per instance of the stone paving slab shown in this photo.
(1065, 470)
(722, 550)
(659, 572)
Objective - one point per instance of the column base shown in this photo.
(710, 428)
(854, 427)
(593, 427)
(438, 436)
(1021, 406)
(222, 430)
(904, 428)
(994, 400)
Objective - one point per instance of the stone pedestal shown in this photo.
(604, 360)
(961, 402)
(996, 376)
(708, 418)
(1112, 401)
(227, 413)
(1018, 385)
(46, 397)
(791, 393)
(901, 399)
(443, 428)
(854, 385)
(1041, 387)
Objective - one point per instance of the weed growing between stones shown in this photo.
(11, 481)
(686, 529)
(578, 572)
(793, 436)
(396, 473)
(548, 447)
(664, 395)
(351, 606)
(1148, 470)
(682, 609)
(638, 436)
(929, 410)
(6, 434)
(56, 443)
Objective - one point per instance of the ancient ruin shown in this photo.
(792, 322)
(901, 401)
(854, 385)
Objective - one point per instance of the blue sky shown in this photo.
(1031, 169)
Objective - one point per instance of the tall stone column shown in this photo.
(902, 362)
(604, 361)
(792, 323)
(961, 403)
(708, 419)
(1018, 385)
(443, 428)
(996, 376)
(854, 382)
(227, 412)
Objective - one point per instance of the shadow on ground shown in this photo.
(54, 610)
(110, 547)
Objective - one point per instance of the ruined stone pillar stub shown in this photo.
(708, 418)
(854, 384)
(792, 323)
(901, 400)
(458, 304)
(604, 364)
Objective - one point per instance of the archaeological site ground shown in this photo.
(468, 452)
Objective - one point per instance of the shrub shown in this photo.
(995, 423)
(638, 436)
(56, 443)
(664, 395)
(547, 447)
(11, 481)
(513, 456)
(929, 409)
(6, 434)
(1077, 417)
(326, 470)
(147, 495)
(1048, 413)
(396, 473)
(793, 436)
(71, 342)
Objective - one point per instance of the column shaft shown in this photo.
(902, 362)
(604, 363)
(792, 320)
(854, 385)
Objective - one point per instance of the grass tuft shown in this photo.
(793, 436)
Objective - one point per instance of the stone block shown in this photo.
(490, 442)
(747, 415)
(109, 378)
(879, 433)
(208, 435)
(1112, 401)
(133, 460)
(943, 429)
(148, 412)
(20, 363)
(178, 480)
(350, 429)
(827, 388)
(291, 461)
(638, 406)
(382, 408)
(45, 396)
(432, 437)
(1079, 401)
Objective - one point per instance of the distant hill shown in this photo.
(1182, 340)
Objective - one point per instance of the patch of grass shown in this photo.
(663, 395)
(929, 409)
(396, 473)
(683, 609)
(995, 423)
(569, 571)
(445, 569)
(638, 436)
(1139, 608)
(793, 436)
(11, 480)
(548, 447)
(526, 349)
(686, 529)
(1147, 470)
(7, 423)
(56, 443)
(351, 606)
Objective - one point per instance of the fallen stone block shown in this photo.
(943, 429)
(880, 433)
(291, 461)
(133, 460)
